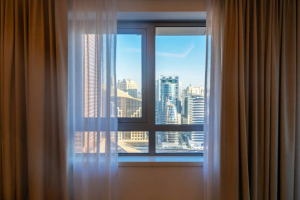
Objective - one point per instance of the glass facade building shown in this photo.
(168, 96)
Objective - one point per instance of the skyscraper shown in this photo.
(90, 76)
(86, 142)
(168, 106)
(195, 112)
(197, 138)
(127, 106)
(172, 117)
(157, 102)
(169, 94)
(132, 136)
(191, 106)
(128, 86)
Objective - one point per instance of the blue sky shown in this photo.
(175, 55)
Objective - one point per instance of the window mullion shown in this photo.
(151, 86)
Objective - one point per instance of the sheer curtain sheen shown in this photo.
(92, 99)
(253, 139)
(213, 99)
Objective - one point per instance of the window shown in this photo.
(129, 76)
(160, 87)
(179, 90)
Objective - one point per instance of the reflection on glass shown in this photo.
(129, 67)
(180, 75)
(179, 142)
(133, 142)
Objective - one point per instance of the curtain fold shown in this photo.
(213, 99)
(259, 146)
(92, 139)
(33, 103)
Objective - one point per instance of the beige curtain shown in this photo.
(260, 109)
(33, 103)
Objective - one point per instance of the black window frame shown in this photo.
(147, 122)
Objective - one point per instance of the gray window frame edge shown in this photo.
(160, 161)
(147, 123)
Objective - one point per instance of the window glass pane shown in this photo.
(90, 141)
(180, 75)
(85, 142)
(90, 76)
(179, 142)
(133, 142)
(129, 75)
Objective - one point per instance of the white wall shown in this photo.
(160, 183)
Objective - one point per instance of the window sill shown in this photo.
(160, 161)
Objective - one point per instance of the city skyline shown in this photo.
(179, 90)
(180, 96)
(179, 99)
(172, 106)
(181, 55)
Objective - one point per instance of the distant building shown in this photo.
(85, 142)
(131, 136)
(195, 112)
(193, 105)
(168, 94)
(90, 77)
(193, 90)
(157, 102)
(196, 140)
(127, 106)
(128, 86)
(197, 137)
(168, 105)
(172, 117)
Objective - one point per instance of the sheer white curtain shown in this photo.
(92, 99)
(213, 99)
